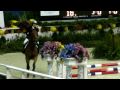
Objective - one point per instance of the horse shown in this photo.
(31, 50)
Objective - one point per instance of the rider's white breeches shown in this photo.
(25, 41)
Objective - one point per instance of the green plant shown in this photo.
(2, 41)
(44, 39)
(12, 46)
(106, 50)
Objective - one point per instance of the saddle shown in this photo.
(25, 45)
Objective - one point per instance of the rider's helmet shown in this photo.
(33, 21)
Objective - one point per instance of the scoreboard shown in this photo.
(60, 15)
(90, 13)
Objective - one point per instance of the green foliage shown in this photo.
(12, 46)
(103, 45)
(44, 39)
(86, 39)
(109, 48)
(45, 29)
(2, 41)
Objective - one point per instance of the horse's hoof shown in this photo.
(33, 76)
(28, 75)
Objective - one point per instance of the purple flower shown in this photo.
(50, 48)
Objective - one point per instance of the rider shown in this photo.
(32, 23)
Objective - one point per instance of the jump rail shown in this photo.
(9, 76)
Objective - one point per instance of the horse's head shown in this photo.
(33, 35)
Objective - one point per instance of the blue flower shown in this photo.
(72, 51)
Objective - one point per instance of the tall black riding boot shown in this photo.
(23, 51)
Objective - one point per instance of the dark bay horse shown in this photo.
(31, 50)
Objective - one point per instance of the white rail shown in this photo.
(9, 76)
(9, 28)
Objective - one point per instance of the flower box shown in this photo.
(70, 61)
(47, 57)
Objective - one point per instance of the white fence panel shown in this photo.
(24, 71)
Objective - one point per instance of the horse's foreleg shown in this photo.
(28, 66)
(34, 68)
(34, 65)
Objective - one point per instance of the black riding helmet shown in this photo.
(25, 25)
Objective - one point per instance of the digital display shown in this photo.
(68, 14)
(61, 15)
